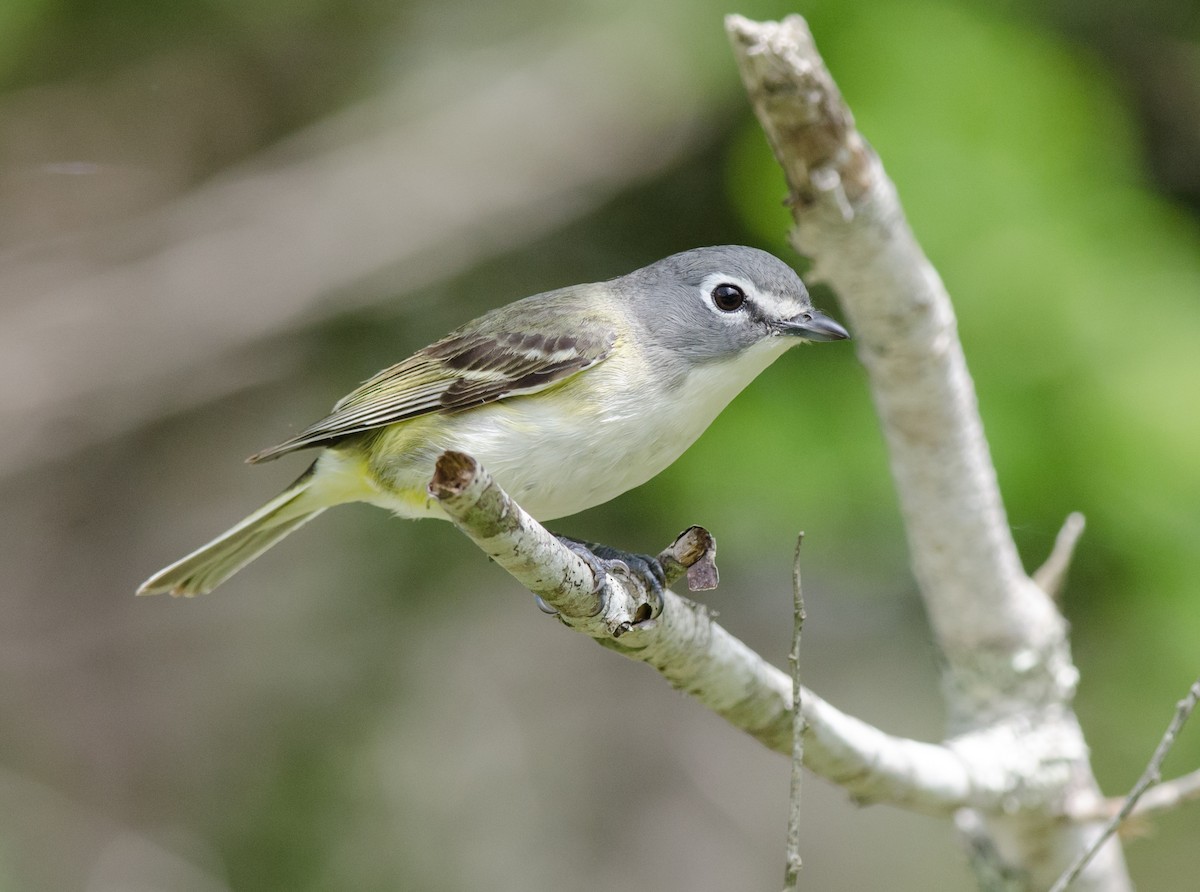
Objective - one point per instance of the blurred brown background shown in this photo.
(216, 218)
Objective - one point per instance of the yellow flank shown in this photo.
(513, 437)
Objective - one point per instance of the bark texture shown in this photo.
(1009, 678)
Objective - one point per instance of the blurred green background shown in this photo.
(218, 217)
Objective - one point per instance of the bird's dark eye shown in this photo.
(727, 298)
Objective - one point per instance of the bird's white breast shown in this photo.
(620, 429)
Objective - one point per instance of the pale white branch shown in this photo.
(699, 656)
(849, 220)
(478, 506)
(1008, 674)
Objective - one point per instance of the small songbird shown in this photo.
(569, 398)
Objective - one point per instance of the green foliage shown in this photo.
(18, 20)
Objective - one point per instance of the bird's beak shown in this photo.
(813, 325)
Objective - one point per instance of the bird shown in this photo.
(569, 398)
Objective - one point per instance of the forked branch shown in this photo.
(1008, 675)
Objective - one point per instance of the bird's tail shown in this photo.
(210, 565)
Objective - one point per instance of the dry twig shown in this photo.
(791, 875)
(1149, 777)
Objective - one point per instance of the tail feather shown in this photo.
(210, 565)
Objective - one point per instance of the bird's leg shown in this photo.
(604, 559)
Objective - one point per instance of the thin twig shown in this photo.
(791, 876)
(1149, 777)
(1051, 575)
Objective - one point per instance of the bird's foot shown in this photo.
(604, 559)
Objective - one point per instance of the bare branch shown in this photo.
(501, 528)
(991, 868)
(1149, 777)
(1051, 575)
(1008, 675)
(963, 555)
(700, 657)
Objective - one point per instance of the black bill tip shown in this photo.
(814, 325)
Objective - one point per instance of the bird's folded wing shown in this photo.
(463, 370)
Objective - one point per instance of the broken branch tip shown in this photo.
(452, 474)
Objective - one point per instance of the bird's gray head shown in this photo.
(714, 303)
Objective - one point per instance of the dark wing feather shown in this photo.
(463, 370)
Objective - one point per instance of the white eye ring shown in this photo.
(728, 298)
(715, 284)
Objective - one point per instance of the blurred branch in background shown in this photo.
(123, 858)
(110, 328)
